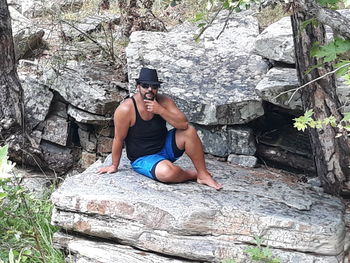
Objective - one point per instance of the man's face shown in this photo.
(148, 92)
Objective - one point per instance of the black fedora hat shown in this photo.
(148, 76)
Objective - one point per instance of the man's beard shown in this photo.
(149, 98)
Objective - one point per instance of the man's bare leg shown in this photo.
(189, 140)
(167, 172)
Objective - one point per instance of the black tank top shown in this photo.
(145, 137)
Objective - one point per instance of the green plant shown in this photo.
(306, 120)
(25, 229)
(260, 253)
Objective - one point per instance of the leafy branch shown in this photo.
(306, 120)
(219, 5)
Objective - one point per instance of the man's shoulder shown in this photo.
(125, 106)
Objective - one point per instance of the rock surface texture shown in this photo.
(194, 222)
(212, 80)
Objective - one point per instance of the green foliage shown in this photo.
(306, 120)
(207, 17)
(330, 3)
(25, 229)
(332, 50)
(260, 253)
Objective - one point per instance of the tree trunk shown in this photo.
(331, 153)
(11, 90)
(12, 130)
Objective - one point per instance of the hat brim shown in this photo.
(149, 82)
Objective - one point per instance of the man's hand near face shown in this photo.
(154, 107)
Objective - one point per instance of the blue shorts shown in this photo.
(146, 165)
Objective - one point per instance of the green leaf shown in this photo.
(346, 116)
(308, 113)
(2, 195)
(226, 5)
(299, 126)
(198, 16)
(330, 51)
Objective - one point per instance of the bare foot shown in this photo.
(205, 178)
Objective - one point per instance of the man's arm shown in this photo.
(168, 110)
(121, 126)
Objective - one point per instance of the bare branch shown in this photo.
(295, 90)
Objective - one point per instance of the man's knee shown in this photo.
(190, 131)
(166, 171)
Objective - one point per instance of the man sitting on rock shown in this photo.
(141, 122)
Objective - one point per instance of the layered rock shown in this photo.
(212, 80)
(195, 222)
(26, 36)
(279, 87)
(276, 42)
(37, 100)
(83, 250)
(90, 87)
(224, 140)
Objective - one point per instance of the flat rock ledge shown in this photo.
(192, 222)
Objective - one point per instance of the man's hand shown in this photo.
(108, 169)
(153, 106)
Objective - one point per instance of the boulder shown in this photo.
(88, 118)
(87, 140)
(279, 84)
(224, 140)
(242, 160)
(93, 88)
(195, 222)
(87, 251)
(104, 144)
(58, 158)
(37, 99)
(87, 159)
(87, 25)
(212, 81)
(276, 41)
(56, 130)
(275, 85)
(27, 37)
